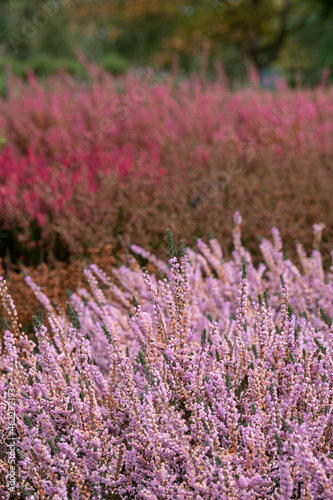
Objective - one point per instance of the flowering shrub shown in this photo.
(54, 282)
(212, 380)
(82, 162)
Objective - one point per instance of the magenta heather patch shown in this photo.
(216, 385)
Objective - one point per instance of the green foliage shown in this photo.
(227, 381)
(203, 338)
(279, 444)
(42, 65)
(255, 351)
(73, 317)
(20, 454)
(305, 316)
(320, 346)
(289, 34)
(172, 252)
(28, 421)
(107, 334)
(326, 319)
(114, 63)
(36, 323)
(286, 426)
(290, 311)
(26, 493)
(5, 324)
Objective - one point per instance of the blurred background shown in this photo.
(292, 37)
(120, 118)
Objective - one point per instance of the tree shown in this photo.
(263, 32)
(31, 27)
(159, 28)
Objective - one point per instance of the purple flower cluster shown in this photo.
(211, 380)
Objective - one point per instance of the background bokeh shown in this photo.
(285, 36)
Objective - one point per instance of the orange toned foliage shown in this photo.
(54, 282)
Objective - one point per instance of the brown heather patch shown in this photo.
(285, 192)
(289, 192)
(54, 282)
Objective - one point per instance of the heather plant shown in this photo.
(55, 282)
(86, 161)
(211, 379)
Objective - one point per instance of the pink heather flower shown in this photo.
(198, 387)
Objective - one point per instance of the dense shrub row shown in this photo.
(213, 381)
(82, 162)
